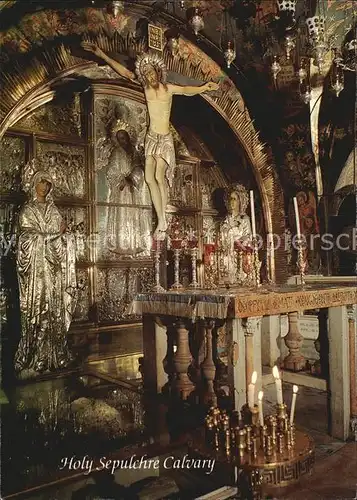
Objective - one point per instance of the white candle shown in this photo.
(293, 403)
(260, 408)
(252, 213)
(297, 218)
(251, 390)
(278, 385)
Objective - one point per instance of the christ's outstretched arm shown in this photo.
(189, 90)
(115, 65)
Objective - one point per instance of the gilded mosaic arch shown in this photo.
(28, 88)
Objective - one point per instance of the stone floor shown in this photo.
(334, 477)
(335, 472)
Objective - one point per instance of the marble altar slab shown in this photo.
(243, 302)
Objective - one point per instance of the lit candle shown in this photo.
(251, 390)
(297, 218)
(252, 212)
(260, 408)
(293, 403)
(278, 385)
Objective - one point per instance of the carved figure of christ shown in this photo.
(159, 147)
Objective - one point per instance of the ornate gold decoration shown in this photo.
(66, 165)
(82, 306)
(244, 304)
(256, 304)
(154, 60)
(28, 87)
(120, 125)
(266, 463)
(12, 161)
(156, 37)
(116, 288)
(61, 118)
(190, 61)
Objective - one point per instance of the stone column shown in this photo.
(294, 361)
(154, 347)
(253, 350)
(168, 361)
(270, 334)
(339, 375)
(236, 363)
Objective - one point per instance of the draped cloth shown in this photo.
(162, 146)
(128, 226)
(47, 284)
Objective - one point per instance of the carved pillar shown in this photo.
(182, 360)
(155, 348)
(339, 374)
(168, 361)
(208, 366)
(253, 355)
(294, 361)
(249, 356)
(198, 350)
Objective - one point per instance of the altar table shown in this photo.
(242, 311)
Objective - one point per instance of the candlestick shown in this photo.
(177, 285)
(260, 407)
(301, 261)
(293, 403)
(252, 212)
(194, 283)
(278, 385)
(156, 247)
(251, 390)
(297, 217)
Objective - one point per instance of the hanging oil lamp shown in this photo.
(302, 72)
(289, 43)
(337, 74)
(196, 22)
(229, 53)
(275, 68)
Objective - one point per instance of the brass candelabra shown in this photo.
(269, 456)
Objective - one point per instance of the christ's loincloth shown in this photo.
(162, 146)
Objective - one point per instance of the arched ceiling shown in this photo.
(273, 111)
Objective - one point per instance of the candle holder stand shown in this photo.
(157, 254)
(301, 262)
(240, 272)
(176, 285)
(194, 283)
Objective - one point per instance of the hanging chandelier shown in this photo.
(305, 39)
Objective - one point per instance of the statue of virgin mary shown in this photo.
(47, 282)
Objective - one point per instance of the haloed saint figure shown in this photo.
(47, 282)
(128, 227)
(235, 228)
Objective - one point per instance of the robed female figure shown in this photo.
(47, 282)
